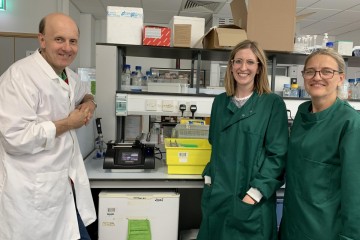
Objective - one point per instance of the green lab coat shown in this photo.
(248, 149)
(322, 197)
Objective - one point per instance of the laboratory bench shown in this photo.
(148, 178)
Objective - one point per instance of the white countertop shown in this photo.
(149, 178)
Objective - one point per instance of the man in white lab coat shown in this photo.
(42, 102)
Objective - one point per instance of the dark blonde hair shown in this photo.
(261, 82)
(331, 53)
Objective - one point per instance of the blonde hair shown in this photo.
(331, 53)
(261, 82)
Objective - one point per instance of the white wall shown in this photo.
(22, 15)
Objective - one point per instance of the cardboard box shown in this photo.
(223, 37)
(119, 208)
(124, 25)
(345, 48)
(187, 31)
(270, 23)
(157, 36)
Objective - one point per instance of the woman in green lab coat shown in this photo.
(249, 135)
(322, 197)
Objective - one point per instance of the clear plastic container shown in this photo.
(286, 90)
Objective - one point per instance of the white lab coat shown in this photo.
(36, 200)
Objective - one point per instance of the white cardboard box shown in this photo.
(124, 25)
(345, 48)
(117, 207)
(197, 29)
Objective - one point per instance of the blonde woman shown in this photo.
(249, 135)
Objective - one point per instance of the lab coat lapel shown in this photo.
(238, 114)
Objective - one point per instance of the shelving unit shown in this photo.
(199, 55)
(119, 52)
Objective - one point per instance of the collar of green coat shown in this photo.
(308, 117)
(247, 108)
(241, 113)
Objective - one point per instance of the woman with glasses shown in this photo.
(322, 196)
(249, 135)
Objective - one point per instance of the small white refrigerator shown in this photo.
(140, 214)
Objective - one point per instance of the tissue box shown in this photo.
(124, 25)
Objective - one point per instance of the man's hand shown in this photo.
(75, 120)
(88, 103)
(78, 118)
(90, 107)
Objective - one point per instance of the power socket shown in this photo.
(150, 105)
(168, 105)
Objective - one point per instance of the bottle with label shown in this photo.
(286, 90)
(126, 75)
(294, 92)
(148, 76)
(139, 75)
(135, 82)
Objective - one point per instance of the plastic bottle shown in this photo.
(126, 75)
(351, 88)
(139, 75)
(294, 92)
(356, 91)
(135, 82)
(343, 90)
(148, 76)
(286, 90)
(325, 40)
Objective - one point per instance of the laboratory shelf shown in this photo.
(211, 54)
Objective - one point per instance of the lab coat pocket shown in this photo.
(314, 184)
(245, 220)
(50, 189)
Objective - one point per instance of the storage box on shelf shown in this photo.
(156, 36)
(124, 25)
(187, 31)
(264, 24)
(187, 156)
(223, 37)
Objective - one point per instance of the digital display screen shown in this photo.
(129, 156)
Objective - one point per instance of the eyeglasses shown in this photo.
(324, 73)
(239, 62)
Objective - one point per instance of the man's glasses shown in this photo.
(324, 73)
(239, 62)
